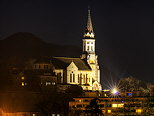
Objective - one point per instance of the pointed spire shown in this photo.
(89, 22)
(89, 28)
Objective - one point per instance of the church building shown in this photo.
(84, 70)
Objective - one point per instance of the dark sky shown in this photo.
(124, 30)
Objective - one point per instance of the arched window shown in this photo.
(73, 77)
(70, 77)
(88, 48)
(92, 48)
(78, 78)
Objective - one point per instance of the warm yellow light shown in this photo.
(22, 78)
(109, 111)
(106, 90)
(92, 61)
(120, 105)
(117, 105)
(114, 105)
(115, 91)
(138, 110)
(89, 35)
(23, 84)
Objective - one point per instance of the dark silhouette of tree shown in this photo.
(54, 102)
(131, 84)
(93, 108)
(74, 91)
(51, 102)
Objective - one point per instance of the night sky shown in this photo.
(124, 30)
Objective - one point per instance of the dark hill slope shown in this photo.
(19, 49)
(27, 45)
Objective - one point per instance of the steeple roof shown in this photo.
(89, 23)
(89, 33)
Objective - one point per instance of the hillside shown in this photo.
(19, 48)
(27, 45)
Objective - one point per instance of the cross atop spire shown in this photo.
(89, 33)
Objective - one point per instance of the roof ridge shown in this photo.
(67, 57)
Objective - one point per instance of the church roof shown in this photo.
(64, 62)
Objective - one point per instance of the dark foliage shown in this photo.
(93, 108)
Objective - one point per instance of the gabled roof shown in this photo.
(64, 62)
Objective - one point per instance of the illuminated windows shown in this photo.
(117, 105)
(109, 111)
(138, 110)
(48, 83)
(22, 78)
(92, 61)
(22, 84)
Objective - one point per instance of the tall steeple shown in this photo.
(89, 38)
(89, 33)
(89, 54)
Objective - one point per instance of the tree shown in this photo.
(53, 101)
(131, 84)
(93, 108)
(74, 91)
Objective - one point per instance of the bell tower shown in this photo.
(89, 37)
(89, 52)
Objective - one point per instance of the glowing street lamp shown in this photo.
(115, 91)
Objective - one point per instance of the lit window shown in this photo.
(22, 78)
(114, 105)
(138, 110)
(117, 105)
(48, 83)
(92, 61)
(53, 83)
(120, 105)
(23, 84)
(109, 111)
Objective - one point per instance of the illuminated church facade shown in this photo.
(83, 71)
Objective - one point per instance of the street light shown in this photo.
(115, 91)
